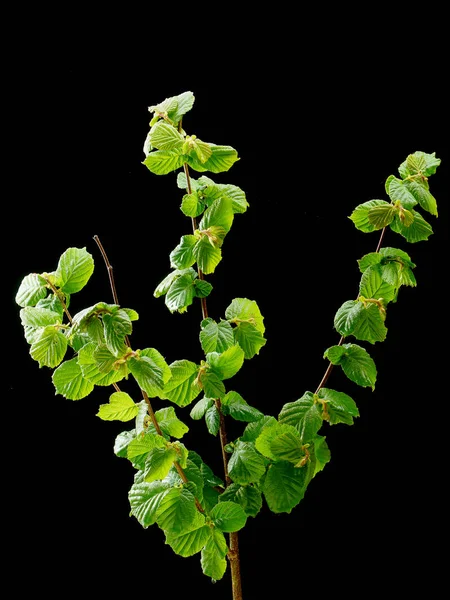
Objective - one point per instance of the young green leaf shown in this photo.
(177, 510)
(246, 465)
(145, 498)
(216, 337)
(213, 561)
(418, 231)
(360, 215)
(190, 542)
(32, 288)
(69, 381)
(337, 407)
(212, 419)
(150, 370)
(233, 404)
(165, 137)
(356, 363)
(304, 414)
(199, 409)
(158, 463)
(49, 346)
(285, 486)
(244, 310)
(364, 320)
(74, 270)
(247, 496)
(169, 422)
(228, 516)
(226, 364)
(121, 407)
(183, 386)
(162, 162)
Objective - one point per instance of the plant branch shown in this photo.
(341, 341)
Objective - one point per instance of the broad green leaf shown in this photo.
(360, 215)
(281, 442)
(162, 162)
(219, 214)
(158, 463)
(150, 371)
(213, 561)
(182, 257)
(35, 317)
(365, 323)
(202, 288)
(116, 327)
(191, 205)
(222, 159)
(145, 499)
(181, 293)
(177, 510)
(165, 137)
(206, 255)
(419, 163)
(183, 386)
(304, 414)
(245, 464)
(212, 385)
(74, 269)
(228, 516)
(169, 422)
(253, 430)
(121, 407)
(165, 284)
(194, 474)
(398, 190)
(248, 496)
(322, 454)
(233, 404)
(216, 337)
(381, 215)
(418, 231)
(284, 486)
(190, 542)
(338, 407)
(199, 409)
(69, 381)
(244, 310)
(100, 366)
(226, 364)
(372, 285)
(212, 419)
(174, 107)
(356, 363)
(32, 288)
(140, 447)
(206, 472)
(249, 338)
(122, 442)
(212, 191)
(49, 346)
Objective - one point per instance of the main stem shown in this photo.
(233, 553)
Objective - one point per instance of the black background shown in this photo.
(318, 129)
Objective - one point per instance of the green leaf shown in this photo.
(304, 414)
(182, 257)
(202, 288)
(74, 269)
(244, 310)
(281, 442)
(139, 448)
(245, 464)
(158, 463)
(117, 326)
(253, 430)
(122, 442)
(191, 205)
(249, 338)
(199, 409)
(219, 214)
(150, 371)
(356, 363)
(49, 346)
(363, 322)
(213, 554)
(381, 215)
(212, 419)
(145, 499)
(165, 284)
(34, 319)
(248, 496)
(206, 255)
(419, 163)
(181, 293)
(165, 137)
(177, 510)
(32, 288)
(226, 364)
(360, 215)
(121, 407)
(233, 404)
(190, 542)
(170, 424)
(100, 366)
(322, 454)
(338, 407)
(418, 231)
(222, 159)
(212, 385)
(373, 285)
(162, 162)
(211, 191)
(69, 381)
(228, 516)
(183, 386)
(284, 486)
(216, 337)
(174, 107)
